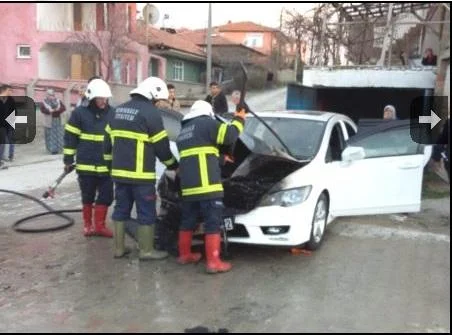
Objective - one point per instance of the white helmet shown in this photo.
(199, 108)
(97, 88)
(152, 88)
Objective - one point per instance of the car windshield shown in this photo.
(302, 137)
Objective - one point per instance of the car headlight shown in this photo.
(287, 198)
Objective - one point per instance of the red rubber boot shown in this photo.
(100, 214)
(87, 212)
(185, 254)
(214, 263)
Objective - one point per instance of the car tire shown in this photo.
(319, 221)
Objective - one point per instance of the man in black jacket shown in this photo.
(83, 139)
(136, 137)
(7, 106)
(217, 99)
(200, 177)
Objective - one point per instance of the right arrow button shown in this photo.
(433, 119)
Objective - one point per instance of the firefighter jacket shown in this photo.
(198, 144)
(84, 138)
(136, 137)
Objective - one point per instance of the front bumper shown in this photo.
(252, 227)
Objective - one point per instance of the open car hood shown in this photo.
(256, 169)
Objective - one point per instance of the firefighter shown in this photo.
(200, 176)
(136, 138)
(83, 138)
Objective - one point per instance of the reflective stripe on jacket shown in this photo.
(84, 137)
(198, 144)
(136, 138)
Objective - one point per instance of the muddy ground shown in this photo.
(372, 274)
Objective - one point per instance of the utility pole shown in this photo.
(209, 49)
(146, 24)
(280, 38)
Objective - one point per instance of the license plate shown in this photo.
(228, 223)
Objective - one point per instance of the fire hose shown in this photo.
(69, 221)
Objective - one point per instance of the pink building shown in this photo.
(43, 41)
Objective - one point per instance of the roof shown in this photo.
(366, 10)
(247, 26)
(157, 37)
(199, 37)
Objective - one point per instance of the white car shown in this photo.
(284, 192)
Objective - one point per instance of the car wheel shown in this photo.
(318, 223)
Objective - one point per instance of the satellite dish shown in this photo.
(151, 14)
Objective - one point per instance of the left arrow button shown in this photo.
(12, 119)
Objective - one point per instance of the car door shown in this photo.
(387, 180)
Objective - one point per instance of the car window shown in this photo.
(350, 131)
(336, 144)
(393, 142)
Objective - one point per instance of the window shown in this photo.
(178, 71)
(336, 145)
(254, 40)
(23, 51)
(116, 64)
(393, 142)
(129, 19)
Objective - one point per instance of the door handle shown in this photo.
(407, 166)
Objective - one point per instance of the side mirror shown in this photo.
(353, 154)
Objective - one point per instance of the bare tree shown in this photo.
(109, 43)
(325, 40)
(296, 27)
(312, 31)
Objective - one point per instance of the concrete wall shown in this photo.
(369, 78)
(120, 93)
(21, 32)
(286, 76)
(184, 89)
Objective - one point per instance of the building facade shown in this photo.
(67, 41)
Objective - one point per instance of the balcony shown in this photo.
(66, 17)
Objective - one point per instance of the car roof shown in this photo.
(302, 114)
